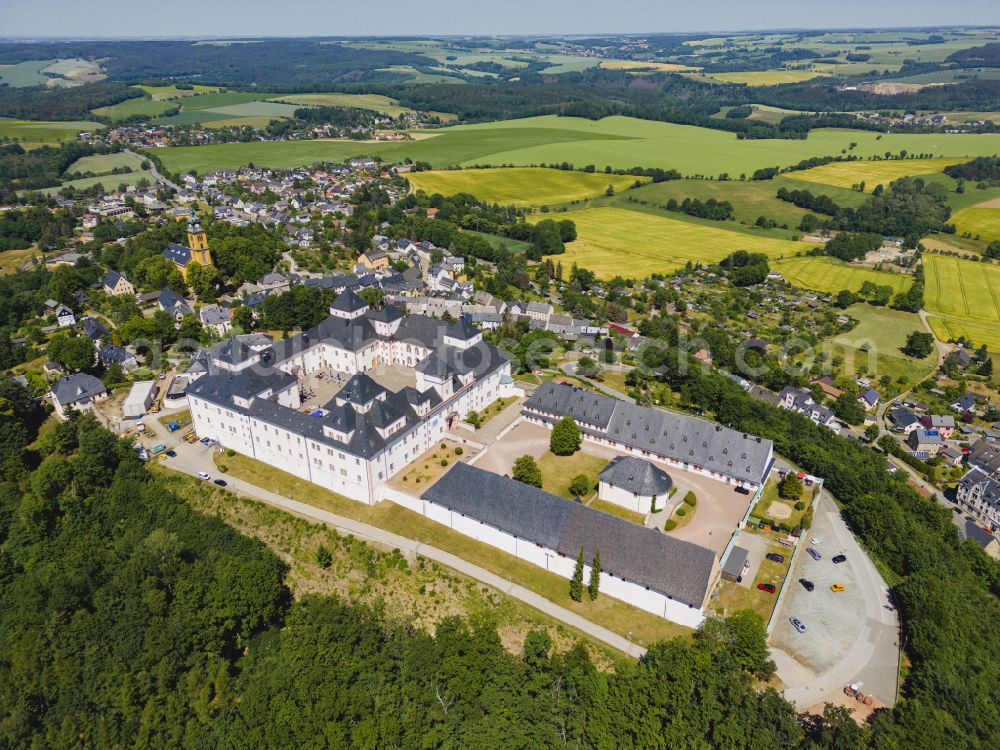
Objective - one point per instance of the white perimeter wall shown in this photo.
(639, 596)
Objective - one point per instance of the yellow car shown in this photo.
(837, 587)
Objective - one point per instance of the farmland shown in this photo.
(962, 289)
(621, 142)
(104, 163)
(981, 221)
(845, 174)
(824, 274)
(519, 186)
(613, 241)
(374, 102)
(643, 65)
(767, 77)
(29, 132)
(160, 93)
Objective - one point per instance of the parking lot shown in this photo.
(850, 636)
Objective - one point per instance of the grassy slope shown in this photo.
(967, 296)
(519, 186)
(611, 241)
(616, 141)
(104, 163)
(883, 331)
(984, 222)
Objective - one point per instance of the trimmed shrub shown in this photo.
(459, 451)
(690, 499)
(670, 525)
(681, 512)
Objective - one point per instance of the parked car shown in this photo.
(807, 584)
(206, 441)
(797, 624)
(203, 475)
(814, 554)
(170, 453)
(815, 540)
(220, 482)
(768, 587)
(775, 557)
(743, 490)
(837, 587)
(839, 558)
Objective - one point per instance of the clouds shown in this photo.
(189, 18)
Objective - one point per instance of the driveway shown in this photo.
(525, 438)
(851, 636)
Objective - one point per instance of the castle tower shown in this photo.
(198, 243)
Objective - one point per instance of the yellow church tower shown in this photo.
(198, 243)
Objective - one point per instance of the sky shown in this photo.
(206, 18)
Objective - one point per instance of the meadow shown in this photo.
(767, 77)
(519, 186)
(103, 163)
(133, 107)
(27, 73)
(620, 142)
(160, 93)
(875, 344)
(374, 102)
(37, 132)
(846, 174)
(616, 241)
(981, 221)
(823, 274)
(643, 65)
(962, 289)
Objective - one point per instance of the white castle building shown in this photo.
(244, 394)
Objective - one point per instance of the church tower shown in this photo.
(198, 243)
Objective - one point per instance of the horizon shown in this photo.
(228, 19)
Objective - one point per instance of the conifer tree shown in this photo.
(576, 582)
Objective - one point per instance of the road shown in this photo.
(152, 168)
(191, 459)
(851, 637)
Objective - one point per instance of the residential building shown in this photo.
(801, 400)
(924, 443)
(78, 391)
(110, 354)
(979, 494)
(985, 455)
(116, 284)
(216, 319)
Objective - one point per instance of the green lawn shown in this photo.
(559, 471)
(515, 246)
(44, 131)
(519, 186)
(613, 241)
(611, 613)
(132, 107)
(616, 141)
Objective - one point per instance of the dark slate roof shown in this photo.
(93, 328)
(902, 418)
(348, 301)
(644, 556)
(636, 475)
(986, 455)
(178, 254)
(675, 436)
(77, 387)
(221, 387)
(388, 314)
(434, 366)
(111, 278)
(111, 353)
(463, 329)
(360, 389)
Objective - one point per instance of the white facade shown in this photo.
(629, 500)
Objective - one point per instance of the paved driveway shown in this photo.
(850, 636)
(525, 438)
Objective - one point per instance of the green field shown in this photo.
(104, 163)
(615, 241)
(767, 77)
(848, 173)
(133, 107)
(875, 344)
(823, 274)
(27, 73)
(982, 221)
(962, 289)
(950, 329)
(374, 102)
(42, 131)
(620, 142)
(159, 93)
(519, 186)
